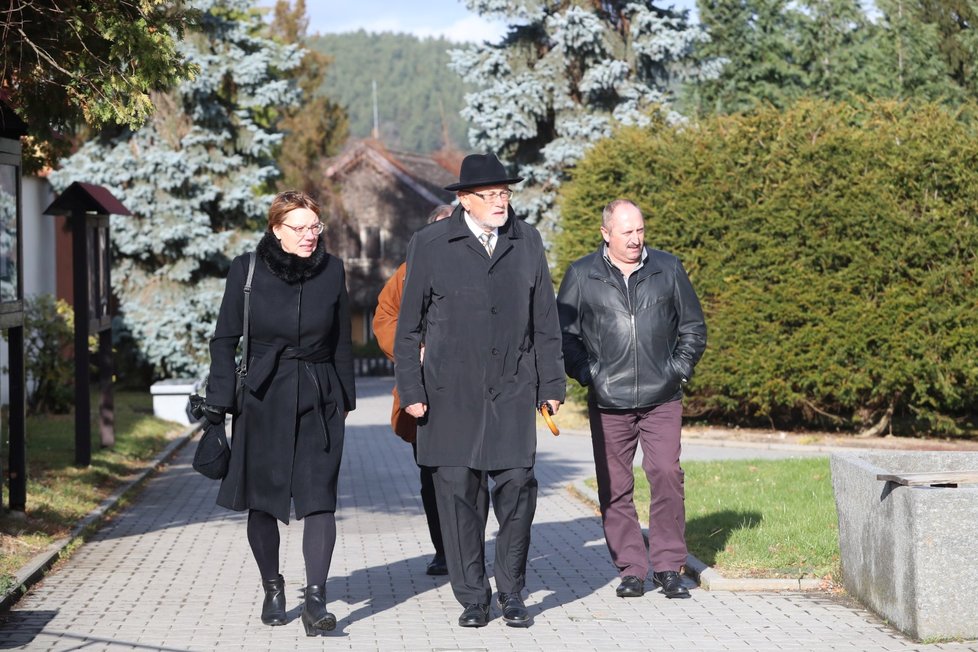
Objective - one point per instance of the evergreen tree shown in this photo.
(837, 50)
(316, 128)
(563, 76)
(757, 40)
(195, 177)
(957, 42)
(907, 43)
(66, 64)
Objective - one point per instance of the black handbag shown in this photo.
(213, 454)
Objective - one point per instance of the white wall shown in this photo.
(39, 232)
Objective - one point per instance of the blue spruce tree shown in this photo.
(197, 178)
(563, 76)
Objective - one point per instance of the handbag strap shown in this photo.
(243, 367)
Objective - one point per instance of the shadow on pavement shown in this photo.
(20, 628)
(565, 565)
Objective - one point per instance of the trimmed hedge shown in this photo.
(833, 247)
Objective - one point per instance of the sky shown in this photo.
(448, 18)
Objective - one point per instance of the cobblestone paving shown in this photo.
(174, 572)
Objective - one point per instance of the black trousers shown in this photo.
(463, 509)
(430, 504)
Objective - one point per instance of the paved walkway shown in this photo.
(174, 572)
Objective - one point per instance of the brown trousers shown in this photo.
(615, 435)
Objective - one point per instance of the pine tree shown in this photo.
(757, 42)
(316, 128)
(564, 75)
(907, 43)
(196, 179)
(957, 41)
(837, 50)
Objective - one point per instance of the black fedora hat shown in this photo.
(482, 170)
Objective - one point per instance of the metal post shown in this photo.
(17, 465)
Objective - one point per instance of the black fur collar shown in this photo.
(289, 267)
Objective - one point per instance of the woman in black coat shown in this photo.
(288, 434)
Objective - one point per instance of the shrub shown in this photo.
(833, 248)
(49, 327)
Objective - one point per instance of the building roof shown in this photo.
(424, 175)
(88, 198)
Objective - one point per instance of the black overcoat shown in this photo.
(492, 343)
(300, 354)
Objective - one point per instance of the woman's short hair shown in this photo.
(286, 201)
(439, 212)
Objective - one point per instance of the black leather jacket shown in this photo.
(631, 349)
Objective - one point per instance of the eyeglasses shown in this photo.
(493, 196)
(300, 231)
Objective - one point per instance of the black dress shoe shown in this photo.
(630, 587)
(273, 607)
(315, 619)
(671, 583)
(475, 615)
(514, 611)
(437, 566)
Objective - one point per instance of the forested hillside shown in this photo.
(418, 97)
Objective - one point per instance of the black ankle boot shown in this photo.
(315, 618)
(273, 608)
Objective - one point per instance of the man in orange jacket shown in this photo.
(405, 426)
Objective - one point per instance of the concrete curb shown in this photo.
(708, 578)
(759, 445)
(35, 569)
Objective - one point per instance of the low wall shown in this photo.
(170, 398)
(908, 553)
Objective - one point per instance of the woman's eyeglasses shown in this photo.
(300, 231)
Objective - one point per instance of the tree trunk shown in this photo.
(880, 426)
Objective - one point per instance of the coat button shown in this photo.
(492, 390)
(494, 310)
(495, 351)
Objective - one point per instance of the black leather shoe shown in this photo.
(273, 607)
(630, 587)
(315, 619)
(475, 615)
(514, 611)
(437, 566)
(671, 583)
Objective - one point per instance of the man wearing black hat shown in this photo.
(478, 296)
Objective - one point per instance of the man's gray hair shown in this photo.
(439, 212)
(612, 206)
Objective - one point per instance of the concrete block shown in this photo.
(907, 553)
(170, 398)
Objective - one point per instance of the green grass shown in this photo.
(60, 494)
(758, 518)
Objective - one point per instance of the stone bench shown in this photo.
(908, 522)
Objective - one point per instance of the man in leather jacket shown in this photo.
(633, 331)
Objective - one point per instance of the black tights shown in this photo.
(318, 541)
